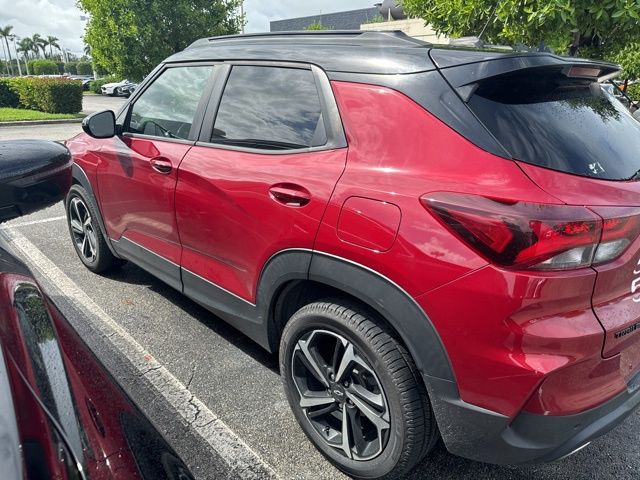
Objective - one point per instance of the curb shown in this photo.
(41, 122)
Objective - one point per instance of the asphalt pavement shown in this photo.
(196, 359)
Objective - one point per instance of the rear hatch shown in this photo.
(579, 144)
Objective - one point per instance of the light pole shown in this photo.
(6, 63)
(15, 49)
(242, 14)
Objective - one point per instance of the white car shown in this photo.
(117, 89)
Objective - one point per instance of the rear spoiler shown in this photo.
(463, 77)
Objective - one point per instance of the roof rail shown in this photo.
(355, 37)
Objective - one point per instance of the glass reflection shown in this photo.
(270, 108)
(571, 125)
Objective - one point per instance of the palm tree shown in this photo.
(25, 46)
(39, 43)
(5, 32)
(53, 43)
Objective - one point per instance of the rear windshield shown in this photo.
(573, 125)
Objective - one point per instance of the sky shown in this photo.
(62, 19)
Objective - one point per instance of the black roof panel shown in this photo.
(357, 51)
(351, 51)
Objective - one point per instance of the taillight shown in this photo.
(620, 227)
(535, 236)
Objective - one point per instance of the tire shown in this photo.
(318, 342)
(116, 92)
(86, 236)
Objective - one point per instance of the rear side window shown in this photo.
(168, 107)
(270, 108)
(543, 117)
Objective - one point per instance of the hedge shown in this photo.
(43, 67)
(8, 95)
(50, 95)
(84, 68)
(96, 85)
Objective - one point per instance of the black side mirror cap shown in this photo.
(100, 124)
(34, 174)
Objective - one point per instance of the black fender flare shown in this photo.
(80, 177)
(370, 287)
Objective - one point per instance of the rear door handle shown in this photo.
(290, 194)
(161, 165)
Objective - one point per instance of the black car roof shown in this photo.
(349, 51)
(338, 51)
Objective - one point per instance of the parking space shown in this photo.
(216, 395)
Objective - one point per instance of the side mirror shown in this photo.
(34, 174)
(100, 124)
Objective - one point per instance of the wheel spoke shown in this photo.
(76, 226)
(346, 447)
(375, 418)
(312, 414)
(311, 363)
(374, 399)
(315, 399)
(74, 205)
(356, 430)
(336, 354)
(347, 358)
(85, 244)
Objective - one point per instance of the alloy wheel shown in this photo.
(341, 395)
(82, 229)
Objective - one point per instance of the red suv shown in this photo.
(439, 242)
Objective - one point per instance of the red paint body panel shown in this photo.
(230, 224)
(369, 223)
(136, 201)
(511, 329)
(504, 331)
(614, 292)
(398, 157)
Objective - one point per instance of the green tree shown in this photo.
(317, 25)
(130, 38)
(5, 33)
(629, 60)
(25, 46)
(84, 68)
(39, 44)
(52, 42)
(595, 27)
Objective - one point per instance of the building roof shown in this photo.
(349, 20)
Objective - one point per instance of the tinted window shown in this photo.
(270, 108)
(567, 124)
(167, 108)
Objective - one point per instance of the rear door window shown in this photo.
(270, 108)
(543, 117)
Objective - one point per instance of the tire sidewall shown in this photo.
(302, 323)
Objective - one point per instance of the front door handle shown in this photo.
(161, 165)
(290, 194)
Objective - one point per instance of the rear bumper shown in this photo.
(479, 434)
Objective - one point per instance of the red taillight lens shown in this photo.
(620, 227)
(520, 234)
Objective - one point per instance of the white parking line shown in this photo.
(242, 460)
(36, 222)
